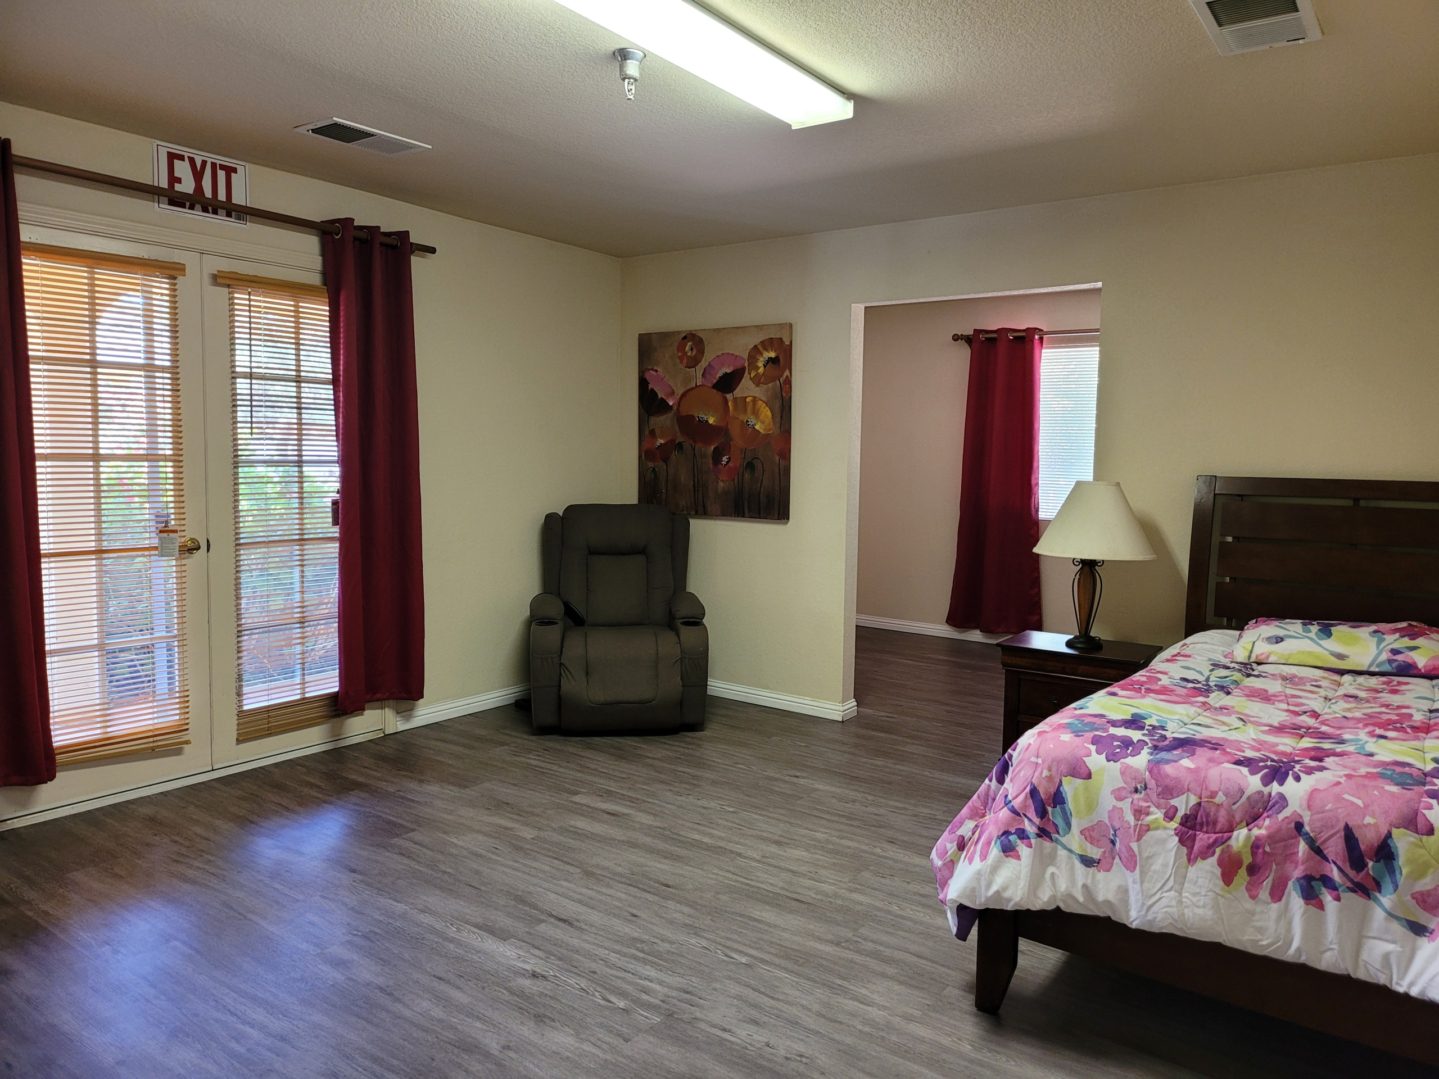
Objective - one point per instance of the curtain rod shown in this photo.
(968, 338)
(139, 187)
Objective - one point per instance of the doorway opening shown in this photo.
(911, 380)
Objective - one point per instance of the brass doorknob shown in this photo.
(191, 545)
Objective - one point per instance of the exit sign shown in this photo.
(189, 172)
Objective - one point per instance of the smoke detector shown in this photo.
(1249, 25)
(366, 138)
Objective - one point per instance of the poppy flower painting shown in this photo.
(657, 396)
(750, 421)
(725, 461)
(725, 372)
(702, 415)
(690, 349)
(657, 450)
(768, 361)
(715, 436)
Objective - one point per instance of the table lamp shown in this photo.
(1094, 526)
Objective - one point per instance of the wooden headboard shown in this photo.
(1357, 550)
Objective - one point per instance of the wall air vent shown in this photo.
(366, 138)
(1247, 25)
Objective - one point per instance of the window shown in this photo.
(286, 474)
(105, 386)
(1068, 389)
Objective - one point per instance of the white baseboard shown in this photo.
(785, 702)
(732, 691)
(461, 706)
(148, 789)
(927, 629)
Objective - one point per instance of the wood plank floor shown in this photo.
(468, 899)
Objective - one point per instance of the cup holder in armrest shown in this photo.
(692, 621)
(546, 622)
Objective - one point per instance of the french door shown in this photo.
(185, 461)
(117, 378)
(272, 480)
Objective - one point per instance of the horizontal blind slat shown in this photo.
(270, 285)
(286, 714)
(103, 260)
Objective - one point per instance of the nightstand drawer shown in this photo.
(1043, 675)
(1041, 696)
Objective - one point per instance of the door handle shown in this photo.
(191, 545)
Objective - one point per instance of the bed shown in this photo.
(1306, 884)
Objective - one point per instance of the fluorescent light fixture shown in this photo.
(687, 35)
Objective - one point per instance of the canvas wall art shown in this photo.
(715, 419)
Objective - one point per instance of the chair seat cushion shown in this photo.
(620, 664)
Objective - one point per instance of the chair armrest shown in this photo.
(547, 607)
(547, 638)
(687, 616)
(686, 607)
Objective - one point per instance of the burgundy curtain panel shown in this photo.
(372, 352)
(996, 572)
(27, 755)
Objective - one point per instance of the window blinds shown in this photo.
(1068, 391)
(286, 473)
(104, 365)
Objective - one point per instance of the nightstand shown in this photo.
(1042, 675)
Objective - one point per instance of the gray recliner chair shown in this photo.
(616, 642)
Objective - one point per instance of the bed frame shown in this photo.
(1363, 550)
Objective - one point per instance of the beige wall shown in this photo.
(519, 384)
(1270, 326)
(912, 438)
(1273, 325)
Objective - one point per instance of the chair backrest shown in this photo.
(617, 565)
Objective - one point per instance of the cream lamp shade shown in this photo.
(1097, 524)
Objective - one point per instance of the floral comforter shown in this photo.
(1285, 810)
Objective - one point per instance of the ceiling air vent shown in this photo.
(1247, 25)
(366, 138)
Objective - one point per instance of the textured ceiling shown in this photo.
(961, 104)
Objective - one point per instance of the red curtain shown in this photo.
(372, 351)
(996, 572)
(27, 755)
